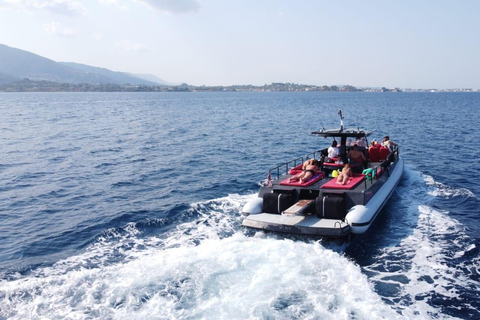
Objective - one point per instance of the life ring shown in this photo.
(369, 173)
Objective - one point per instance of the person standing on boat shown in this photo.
(386, 142)
(333, 151)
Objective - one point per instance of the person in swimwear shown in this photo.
(310, 168)
(356, 156)
(345, 174)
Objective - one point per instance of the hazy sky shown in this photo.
(406, 44)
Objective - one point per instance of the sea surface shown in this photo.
(127, 206)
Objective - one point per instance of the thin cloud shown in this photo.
(56, 28)
(126, 45)
(62, 7)
(98, 36)
(115, 3)
(174, 6)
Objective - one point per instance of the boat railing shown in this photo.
(382, 167)
(379, 170)
(314, 155)
(285, 167)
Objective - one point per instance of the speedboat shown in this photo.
(321, 206)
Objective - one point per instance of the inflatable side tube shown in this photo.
(360, 217)
(253, 206)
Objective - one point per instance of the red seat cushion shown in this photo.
(374, 154)
(384, 152)
(350, 184)
(312, 180)
(296, 169)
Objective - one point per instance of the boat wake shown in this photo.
(441, 190)
(426, 273)
(208, 266)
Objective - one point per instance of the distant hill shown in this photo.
(152, 78)
(7, 78)
(23, 64)
(16, 64)
(117, 77)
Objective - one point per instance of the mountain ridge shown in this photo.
(17, 64)
(152, 78)
(118, 77)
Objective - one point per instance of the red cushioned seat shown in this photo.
(374, 154)
(384, 152)
(296, 169)
(350, 184)
(318, 176)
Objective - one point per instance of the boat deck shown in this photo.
(361, 187)
(298, 224)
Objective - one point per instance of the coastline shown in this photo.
(28, 85)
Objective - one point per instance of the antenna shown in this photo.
(323, 127)
(341, 119)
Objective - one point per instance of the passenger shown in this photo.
(345, 174)
(310, 168)
(306, 163)
(361, 142)
(386, 142)
(356, 156)
(333, 151)
(374, 144)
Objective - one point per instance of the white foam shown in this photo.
(237, 277)
(441, 190)
(195, 272)
(461, 253)
(419, 267)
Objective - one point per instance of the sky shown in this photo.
(406, 44)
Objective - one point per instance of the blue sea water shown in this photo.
(127, 206)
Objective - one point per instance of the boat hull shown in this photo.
(253, 206)
(360, 217)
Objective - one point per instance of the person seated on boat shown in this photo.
(374, 144)
(310, 168)
(356, 156)
(333, 151)
(361, 142)
(386, 142)
(345, 174)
